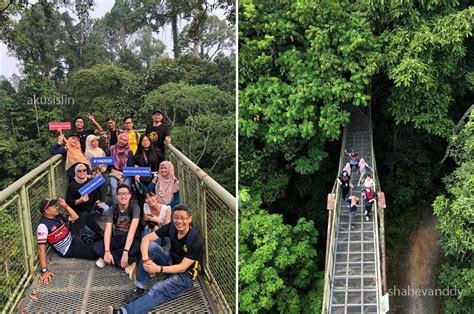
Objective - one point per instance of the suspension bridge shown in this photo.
(355, 270)
(78, 285)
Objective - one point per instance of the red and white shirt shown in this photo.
(55, 233)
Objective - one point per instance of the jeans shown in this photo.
(163, 291)
(114, 185)
(368, 207)
(117, 244)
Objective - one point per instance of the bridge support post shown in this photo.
(203, 210)
(25, 219)
(51, 182)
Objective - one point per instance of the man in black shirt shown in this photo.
(158, 132)
(181, 263)
(81, 132)
(112, 133)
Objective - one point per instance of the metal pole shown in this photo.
(204, 224)
(52, 182)
(26, 220)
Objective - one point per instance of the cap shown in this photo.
(157, 111)
(74, 134)
(47, 202)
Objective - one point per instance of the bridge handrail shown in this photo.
(332, 233)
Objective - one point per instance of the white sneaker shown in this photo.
(365, 213)
(100, 263)
(131, 270)
(366, 218)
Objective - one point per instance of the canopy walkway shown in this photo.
(78, 285)
(355, 270)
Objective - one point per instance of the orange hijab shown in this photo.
(74, 154)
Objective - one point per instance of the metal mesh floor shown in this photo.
(354, 287)
(80, 287)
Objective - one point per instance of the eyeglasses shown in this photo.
(128, 122)
(177, 218)
(123, 193)
(81, 170)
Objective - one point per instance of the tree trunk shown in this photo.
(455, 130)
(174, 30)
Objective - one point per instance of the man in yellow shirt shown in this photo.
(133, 136)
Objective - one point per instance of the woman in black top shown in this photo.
(147, 156)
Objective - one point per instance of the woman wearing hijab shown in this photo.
(123, 158)
(72, 152)
(146, 156)
(93, 150)
(167, 186)
(87, 203)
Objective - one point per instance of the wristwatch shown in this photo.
(44, 270)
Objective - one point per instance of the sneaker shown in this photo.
(100, 263)
(365, 213)
(366, 218)
(110, 310)
(131, 270)
(352, 226)
(136, 293)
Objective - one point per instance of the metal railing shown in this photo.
(333, 221)
(213, 212)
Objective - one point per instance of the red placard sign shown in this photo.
(59, 125)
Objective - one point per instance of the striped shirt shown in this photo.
(55, 233)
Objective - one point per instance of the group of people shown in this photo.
(135, 234)
(357, 164)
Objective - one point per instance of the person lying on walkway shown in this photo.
(167, 186)
(180, 263)
(91, 202)
(363, 170)
(72, 152)
(155, 215)
(63, 234)
(369, 201)
(347, 168)
(345, 182)
(353, 158)
(352, 208)
(124, 245)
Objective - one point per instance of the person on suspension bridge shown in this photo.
(180, 263)
(368, 182)
(369, 201)
(63, 233)
(345, 183)
(363, 170)
(352, 201)
(353, 158)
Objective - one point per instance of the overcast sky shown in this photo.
(10, 65)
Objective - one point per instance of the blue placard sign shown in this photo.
(95, 161)
(136, 171)
(92, 185)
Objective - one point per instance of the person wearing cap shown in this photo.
(62, 232)
(158, 132)
(73, 153)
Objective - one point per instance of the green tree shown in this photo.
(150, 47)
(456, 215)
(277, 263)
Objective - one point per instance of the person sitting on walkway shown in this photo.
(63, 234)
(73, 153)
(155, 215)
(91, 202)
(363, 170)
(124, 245)
(94, 151)
(369, 200)
(347, 168)
(181, 263)
(146, 156)
(352, 208)
(345, 182)
(167, 186)
(353, 158)
(123, 158)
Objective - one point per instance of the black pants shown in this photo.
(78, 248)
(117, 244)
(345, 191)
